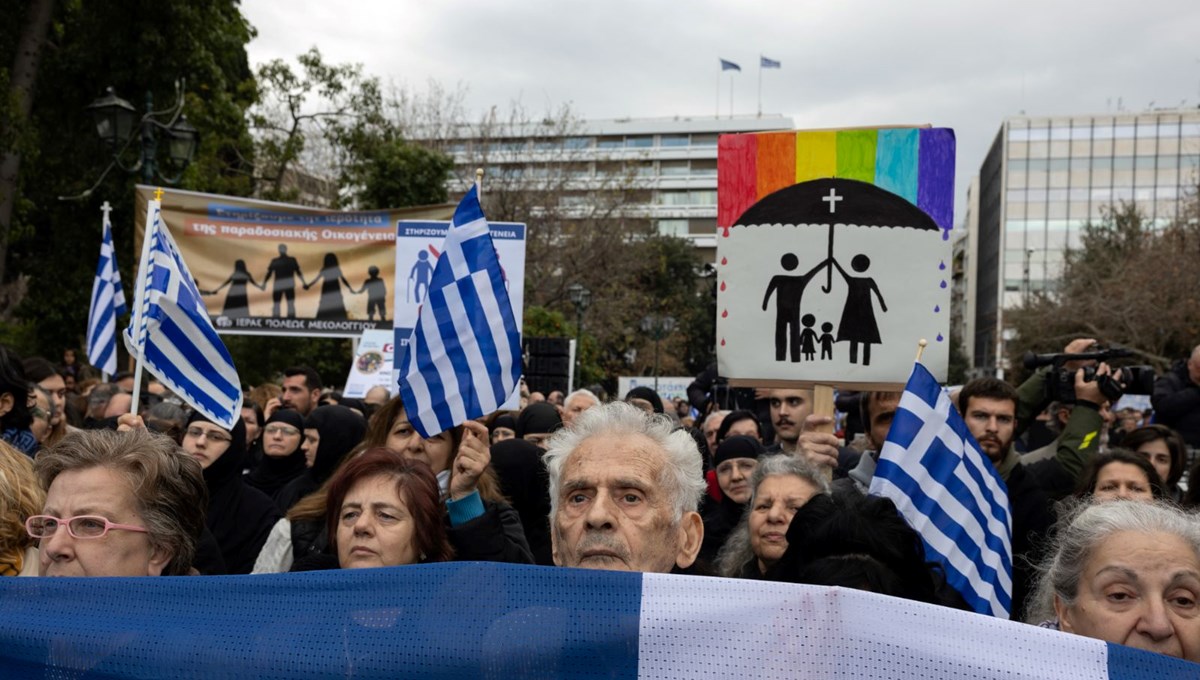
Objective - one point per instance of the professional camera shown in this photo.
(1060, 382)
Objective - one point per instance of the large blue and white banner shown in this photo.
(477, 620)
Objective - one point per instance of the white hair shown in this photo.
(736, 552)
(1084, 528)
(580, 393)
(681, 478)
(715, 414)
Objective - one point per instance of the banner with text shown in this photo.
(269, 268)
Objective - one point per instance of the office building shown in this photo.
(1044, 178)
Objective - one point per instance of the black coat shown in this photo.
(240, 517)
(1176, 402)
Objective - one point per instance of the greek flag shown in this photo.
(464, 357)
(768, 63)
(172, 335)
(108, 302)
(932, 469)
(729, 66)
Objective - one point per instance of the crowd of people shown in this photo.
(733, 483)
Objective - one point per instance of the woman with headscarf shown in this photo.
(330, 432)
(240, 517)
(282, 460)
(734, 462)
(537, 422)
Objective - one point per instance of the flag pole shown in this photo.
(139, 340)
(921, 348)
(479, 184)
(760, 58)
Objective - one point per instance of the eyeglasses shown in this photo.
(79, 526)
(213, 435)
(281, 429)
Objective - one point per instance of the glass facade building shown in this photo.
(1044, 178)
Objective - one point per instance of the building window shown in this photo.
(709, 140)
(673, 228)
(576, 143)
(673, 168)
(610, 142)
(644, 142)
(703, 197)
(673, 140)
(705, 168)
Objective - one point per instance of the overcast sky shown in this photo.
(965, 64)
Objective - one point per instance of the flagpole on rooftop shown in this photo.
(139, 301)
(760, 58)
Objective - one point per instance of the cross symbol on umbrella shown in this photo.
(832, 199)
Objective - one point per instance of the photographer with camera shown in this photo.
(1081, 392)
(1176, 398)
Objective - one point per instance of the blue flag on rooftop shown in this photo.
(729, 66)
(108, 302)
(932, 469)
(768, 63)
(463, 359)
(171, 332)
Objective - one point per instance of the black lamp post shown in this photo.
(657, 326)
(116, 121)
(580, 297)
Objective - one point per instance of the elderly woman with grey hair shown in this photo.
(624, 491)
(781, 485)
(1126, 572)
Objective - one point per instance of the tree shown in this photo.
(136, 47)
(1129, 284)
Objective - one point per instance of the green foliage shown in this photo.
(262, 359)
(136, 47)
(387, 172)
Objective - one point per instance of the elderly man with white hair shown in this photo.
(577, 402)
(624, 492)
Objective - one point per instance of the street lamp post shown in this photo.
(580, 297)
(658, 326)
(116, 122)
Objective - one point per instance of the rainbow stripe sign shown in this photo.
(832, 255)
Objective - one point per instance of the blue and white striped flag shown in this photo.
(768, 63)
(727, 65)
(172, 335)
(108, 302)
(464, 357)
(932, 469)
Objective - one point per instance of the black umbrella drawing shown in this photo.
(832, 202)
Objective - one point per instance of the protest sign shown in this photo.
(669, 387)
(832, 257)
(267, 268)
(372, 364)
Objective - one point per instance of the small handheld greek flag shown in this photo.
(108, 302)
(932, 469)
(464, 357)
(171, 334)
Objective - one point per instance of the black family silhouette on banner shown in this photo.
(286, 269)
(796, 334)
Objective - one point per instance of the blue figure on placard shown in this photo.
(421, 271)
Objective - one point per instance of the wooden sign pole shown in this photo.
(823, 406)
